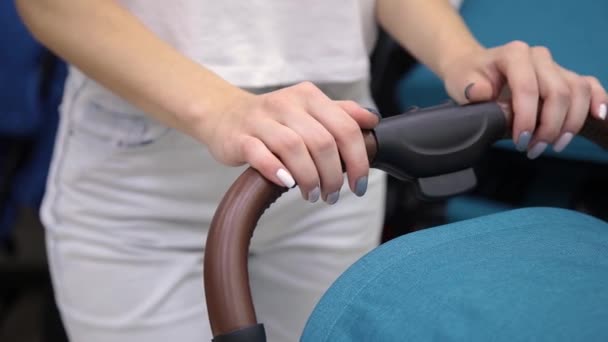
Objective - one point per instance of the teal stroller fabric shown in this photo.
(536, 274)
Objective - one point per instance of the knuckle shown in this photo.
(307, 88)
(542, 51)
(349, 133)
(528, 89)
(322, 142)
(248, 148)
(518, 46)
(250, 121)
(275, 102)
(592, 80)
(350, 104)
(561, 93)
(583, 86)
(291, 142)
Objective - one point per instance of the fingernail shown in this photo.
(361, 186)
(603, 110)
(523, 141)
(467, 91)
(563, 141)
(374, 111)
(314, 195)
(286, 178)
(537, 150)
(333, 197)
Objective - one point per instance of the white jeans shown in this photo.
(127, 210)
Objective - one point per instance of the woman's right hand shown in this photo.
(294, 135)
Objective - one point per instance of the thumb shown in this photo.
(475, 88)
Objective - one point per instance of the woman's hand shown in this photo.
(294, 135)
(550, 103)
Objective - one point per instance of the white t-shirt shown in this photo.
(258, 43)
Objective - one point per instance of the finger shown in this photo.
(580, 90)
(349, 140)
(478, 89)
(323, 149)
(475, 87)
(289, 147)
(599, 98)
(555, 95)
(260, 158)
(364, 118)
(479, 84)
(515, 63)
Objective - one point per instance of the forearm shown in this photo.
(111, 46)
(431, 30)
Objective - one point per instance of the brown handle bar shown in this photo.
(229, 303)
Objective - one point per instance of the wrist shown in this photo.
(201, 116)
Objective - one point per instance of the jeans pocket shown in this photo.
(119, 129)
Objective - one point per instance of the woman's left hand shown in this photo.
(550, 103)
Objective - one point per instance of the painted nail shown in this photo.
(467, 91)
(563, 141)
(333, 197)
(314, 195)
(603, 110)
(523, 141)
(537, 150)
(286, 178)
(374, 111)
(361, 186)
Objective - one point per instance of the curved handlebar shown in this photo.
(227, 290)
(406, 146)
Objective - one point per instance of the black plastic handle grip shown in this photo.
(432, 142)
(438, 145)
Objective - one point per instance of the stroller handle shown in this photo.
(435, 146)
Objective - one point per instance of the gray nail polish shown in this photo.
(563, 142)
(467, 91)
(361, 186)
(374, 111)
(537, 150)
(523, 141)
(333, 197)
(314, 195)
